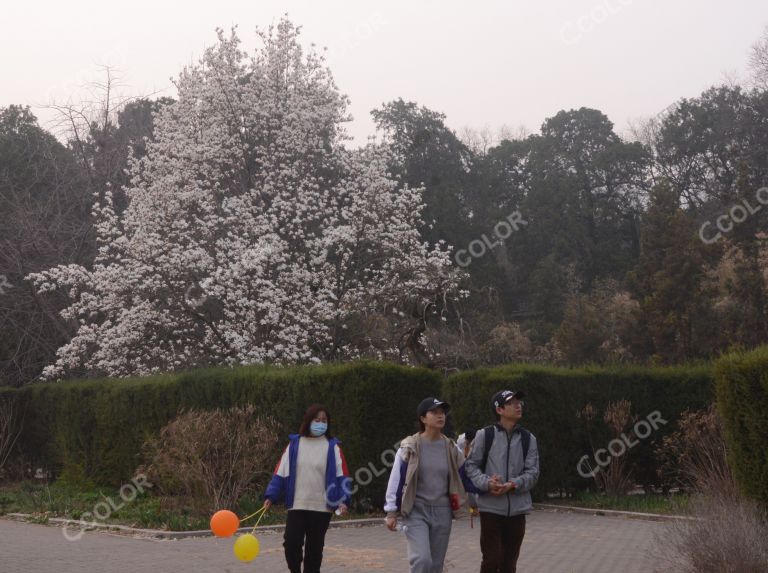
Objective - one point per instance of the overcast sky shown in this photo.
(482, 63)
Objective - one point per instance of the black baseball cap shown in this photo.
(431, 403)
(504, 396)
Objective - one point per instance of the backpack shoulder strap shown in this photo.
(525, 439)
(489, 434)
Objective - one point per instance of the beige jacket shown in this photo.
(403, 481)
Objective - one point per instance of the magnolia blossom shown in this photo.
(252, 234)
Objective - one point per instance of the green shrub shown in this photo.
(73, 476)
(742, 398)
(100, 425)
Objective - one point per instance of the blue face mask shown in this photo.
(317, 429)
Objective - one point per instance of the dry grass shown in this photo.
(694, 457)
(727, 536)
(727, 533)
(9, 430)
(615, 479)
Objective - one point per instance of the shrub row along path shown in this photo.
(555, 542)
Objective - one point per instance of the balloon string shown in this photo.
(260, 510)
(263, 513)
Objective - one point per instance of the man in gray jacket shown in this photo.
(504, 473)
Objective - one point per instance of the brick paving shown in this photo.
(554, 543)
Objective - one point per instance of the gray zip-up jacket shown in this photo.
(506, 460)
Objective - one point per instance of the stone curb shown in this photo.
(161, 534)
(613, 512)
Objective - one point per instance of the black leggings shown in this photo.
(312, 525)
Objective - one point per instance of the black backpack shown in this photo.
(525, 438)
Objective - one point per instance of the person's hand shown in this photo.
(494, 484)
(496, 489)
(343, 509)
(505, 488)
(391, 523)
(267, 504)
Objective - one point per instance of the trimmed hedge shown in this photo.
(98, 426)
(555, 395)
(742, 399)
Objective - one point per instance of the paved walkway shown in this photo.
(554, 543)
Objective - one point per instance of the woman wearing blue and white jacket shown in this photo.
(427, 489)
(312, 478)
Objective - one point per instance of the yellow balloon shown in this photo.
(246, 547)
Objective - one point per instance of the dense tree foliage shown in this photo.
(236, 224)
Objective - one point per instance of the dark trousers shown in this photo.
(311, 525)
(500, 541)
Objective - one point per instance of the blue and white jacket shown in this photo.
(338, 484)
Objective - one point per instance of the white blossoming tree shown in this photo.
(252, 234)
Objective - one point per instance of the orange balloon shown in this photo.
(224, 523)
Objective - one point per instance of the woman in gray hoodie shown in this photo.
(426, 489)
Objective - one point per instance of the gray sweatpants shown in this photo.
(427, 529)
